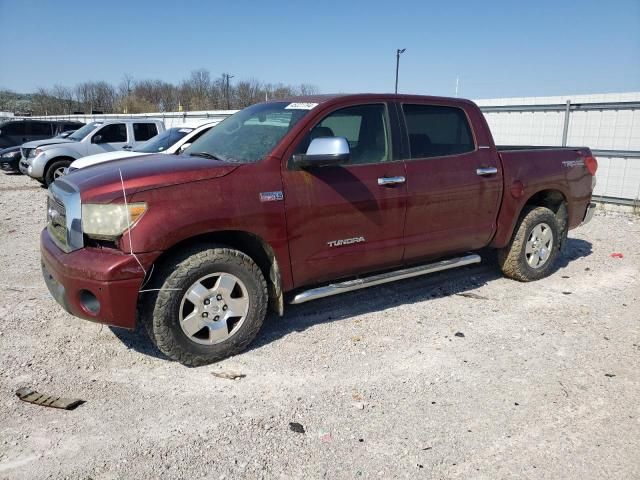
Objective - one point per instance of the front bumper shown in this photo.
(23, 166)
(588, 214)
(10, 165)
(95, 284)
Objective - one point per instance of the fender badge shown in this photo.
(271, 196)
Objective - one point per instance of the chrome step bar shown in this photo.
(350, 285)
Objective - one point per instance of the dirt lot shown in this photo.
(544, 383)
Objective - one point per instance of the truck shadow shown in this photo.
(460, 281)
(298, 318)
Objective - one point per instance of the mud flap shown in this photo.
(563, 223)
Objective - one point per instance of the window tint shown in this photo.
(437, 131)
(113, 133)
(14, 128)
(41, 128)
(144, 131)
(365, 128)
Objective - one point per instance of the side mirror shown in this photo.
(183, 147)
(97, 139)
(324, 151)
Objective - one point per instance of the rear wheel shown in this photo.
(211, 305)
(55, 171)
(534, 247)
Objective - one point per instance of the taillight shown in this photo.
(592, 164)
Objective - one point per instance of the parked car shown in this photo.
(17, 132)
(9, 158)
(47, 160)
(290, 201)
(170, 141)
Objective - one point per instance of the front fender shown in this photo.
(39, 163)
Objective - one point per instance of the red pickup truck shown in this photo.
(293, 200)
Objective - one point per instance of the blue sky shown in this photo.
(498, 49)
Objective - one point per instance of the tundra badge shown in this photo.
(345, 241)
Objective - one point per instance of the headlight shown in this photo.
(108, 222)
(36, 152)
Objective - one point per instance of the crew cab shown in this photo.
(170, 141)
(292, 200)
(46, 160)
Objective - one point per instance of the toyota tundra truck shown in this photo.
(293, 200)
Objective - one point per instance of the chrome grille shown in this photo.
(57, 221)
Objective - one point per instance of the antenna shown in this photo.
(457, 85)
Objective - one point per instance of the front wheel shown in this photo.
(210, 305)
(534, 247)
(55, 171)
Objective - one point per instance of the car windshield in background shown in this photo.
(84, 131)
(249, 135)
(164, 140)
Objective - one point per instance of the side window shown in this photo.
(436, 131)
(113, 133)
(197, 135)
(144, 131)
(14, 128)
(41, 129)
(364, 126)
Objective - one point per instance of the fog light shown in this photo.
(89, 302)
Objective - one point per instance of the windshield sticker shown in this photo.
(300, 106)
(186, 130)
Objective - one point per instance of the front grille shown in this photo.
(57, 221)
(26, 152)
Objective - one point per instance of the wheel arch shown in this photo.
(248, 243)
(552, 198)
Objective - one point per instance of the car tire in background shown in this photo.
(534, 247)
(210, 304)
(54, 170)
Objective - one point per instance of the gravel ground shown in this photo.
(412, 379)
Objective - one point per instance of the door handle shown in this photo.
(391, 180)
(484, 171)
(127, 147)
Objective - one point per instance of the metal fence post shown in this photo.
(565, 131)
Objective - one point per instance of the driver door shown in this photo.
(346, 219)
(109, 138)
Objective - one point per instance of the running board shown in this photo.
(350, 285)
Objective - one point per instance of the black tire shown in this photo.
(50, 174)
(513, 258)
(160, 311)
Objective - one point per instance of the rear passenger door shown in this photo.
(40, 130)
(142, 132)
(451, 204)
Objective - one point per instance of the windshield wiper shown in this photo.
(206, 155)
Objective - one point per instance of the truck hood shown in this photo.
(102, 183)
(103, 157)
(48, 141)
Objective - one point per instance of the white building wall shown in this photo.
(618, 177)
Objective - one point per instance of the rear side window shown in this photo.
(114, 133)
(41, 128)
(144, 131)
(436, 131)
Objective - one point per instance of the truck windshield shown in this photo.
(161, 142)
(249, 135)
(84, 131)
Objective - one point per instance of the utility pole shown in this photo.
(227, 77)
(398, 52)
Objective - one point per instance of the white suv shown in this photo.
(46, 160)
(171, 141)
